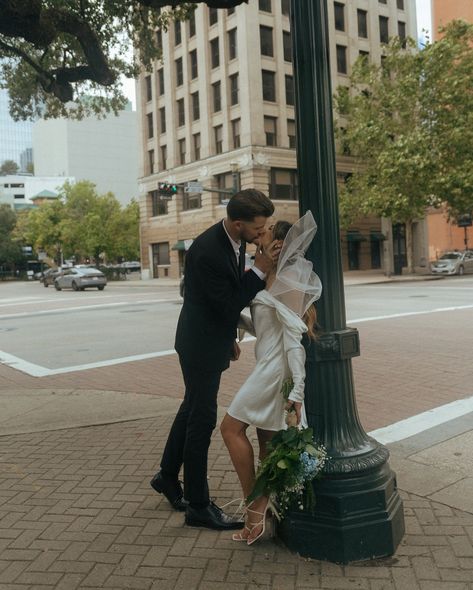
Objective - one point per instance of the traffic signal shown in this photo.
(166, 189)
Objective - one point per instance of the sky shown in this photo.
(424, 21)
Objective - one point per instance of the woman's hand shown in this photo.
(295, 407)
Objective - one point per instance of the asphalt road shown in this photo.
(61, 330)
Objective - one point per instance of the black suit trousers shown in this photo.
(189, 439)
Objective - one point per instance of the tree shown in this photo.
(9, 167)
(61, 51)
(10, 249)
(408, 122)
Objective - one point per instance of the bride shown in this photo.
(280, 315)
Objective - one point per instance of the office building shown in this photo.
(16, 140)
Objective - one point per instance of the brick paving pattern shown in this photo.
(76, 511)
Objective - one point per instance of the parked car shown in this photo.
(79, 279)
(453, 263)
(50, 275)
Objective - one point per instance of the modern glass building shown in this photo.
(16, 141)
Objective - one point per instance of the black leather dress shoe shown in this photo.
(211, 517)
(171, 489)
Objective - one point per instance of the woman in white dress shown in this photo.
(280, 315)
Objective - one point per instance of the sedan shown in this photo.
(79, 279)
(50, 275)
(453, 263)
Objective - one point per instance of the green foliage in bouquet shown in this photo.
(294, 459)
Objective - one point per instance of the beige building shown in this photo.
(219, 110)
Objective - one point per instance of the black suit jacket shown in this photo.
(215, 292)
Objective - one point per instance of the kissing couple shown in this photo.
(281, 288)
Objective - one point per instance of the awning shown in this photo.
(355, 236)
(377, 235)
(182, 245)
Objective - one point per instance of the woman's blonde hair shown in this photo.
(280, 230)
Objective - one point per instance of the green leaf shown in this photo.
(282, 464)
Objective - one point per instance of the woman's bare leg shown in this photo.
(264, 436)
(241, 451)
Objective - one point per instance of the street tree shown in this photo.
(9, 167)
(53, 52)
(408, 123)
(11, 253)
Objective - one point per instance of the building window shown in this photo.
(196, 139)
(164, 157)
(182, 151)
(400, 4)
(234, 89)
(217, 96)
(289, 80)
(214, 53)
(383, 29)
(149, 92)
(266, 41)
(213, 16)
(159, 40)
(287, 46)
(179, 72)
(194, 68)
(364, 55)
(226, 182)
(383, 1)
(270, 130)
(284, 184)
(195, 106)
(401, 31)
(149, 124)
(362, 23)
(162, 119)
(218, 136)
(230, 11)
(191, 201)
(232, 44)
(291, 132)
(150, 161)
(236, 133)
(285, 7)
(161, 254)
(161, 81)
(269, 86)
(342, 59)
(265, 5)
(177, 32)
(192, 25)
(339, 10)
(181, 116)
(159, 206)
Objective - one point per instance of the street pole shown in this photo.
(358, 513)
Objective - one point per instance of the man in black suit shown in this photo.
(216, 289)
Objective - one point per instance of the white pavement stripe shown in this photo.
(84, 307)
(425, 421)
(39, 371)
(409, 313)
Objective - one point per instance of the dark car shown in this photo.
(49, 276)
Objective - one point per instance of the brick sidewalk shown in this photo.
(76, 511)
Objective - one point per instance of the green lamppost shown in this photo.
(358, 513)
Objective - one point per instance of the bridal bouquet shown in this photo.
(285, 475)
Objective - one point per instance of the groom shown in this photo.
(216, 290)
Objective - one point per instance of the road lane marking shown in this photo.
(409, 313)
(85, 307)
(39, 371)
(424, 421)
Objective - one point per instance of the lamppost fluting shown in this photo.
(358, 513)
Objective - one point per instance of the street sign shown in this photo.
(465, 221)
(193, 187)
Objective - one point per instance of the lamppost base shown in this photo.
(357, 517)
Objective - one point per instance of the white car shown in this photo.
(80, 278)
(453, 263)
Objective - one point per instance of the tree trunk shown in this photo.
(409, 247)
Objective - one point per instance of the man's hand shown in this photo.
(236, 352)
(266, 258)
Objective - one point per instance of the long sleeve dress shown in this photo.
(279, 355)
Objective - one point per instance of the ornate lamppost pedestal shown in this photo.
(356, 517)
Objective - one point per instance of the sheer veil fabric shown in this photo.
(296, 284)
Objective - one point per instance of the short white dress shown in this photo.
(279, 355)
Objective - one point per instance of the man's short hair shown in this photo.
(248, 204)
